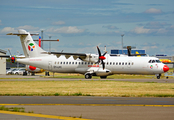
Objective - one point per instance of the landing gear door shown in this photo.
(49, 65)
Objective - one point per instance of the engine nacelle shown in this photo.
(91, 58)
(102, 72)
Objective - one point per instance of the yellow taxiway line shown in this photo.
(41, 115)
(89, 105)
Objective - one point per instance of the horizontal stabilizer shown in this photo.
(6, 56)
(21, 34)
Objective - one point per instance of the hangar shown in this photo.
(2, 62)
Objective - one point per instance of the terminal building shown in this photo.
(117, 51)
(2, 62)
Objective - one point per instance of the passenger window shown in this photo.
(69, 62)
(119, 63)
(88, 63)
(60, 62)
(57, 62)
(113, 63)
(132, 63)
(107, 63)
(82, 63)
(79, 63)
(110, 63)
(76, 63)
(126, 63)
(85, 63)
(63, 62)
(72, 62)
(129, 63)
(116, 63)
(122, 63)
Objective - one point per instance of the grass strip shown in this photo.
(86, 88)
(13, 109)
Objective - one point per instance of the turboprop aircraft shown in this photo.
(87, 64)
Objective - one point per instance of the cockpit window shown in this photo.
(158, 61)
(154, 61)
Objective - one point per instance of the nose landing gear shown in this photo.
(158, 76)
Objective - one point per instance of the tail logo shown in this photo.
(31, 47)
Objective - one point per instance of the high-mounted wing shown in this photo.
(67, 55)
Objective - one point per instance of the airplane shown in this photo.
(87, 64)
(29, 68)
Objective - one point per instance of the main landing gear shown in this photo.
(88, 76)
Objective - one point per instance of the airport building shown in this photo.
(2, 62)
(117, 51)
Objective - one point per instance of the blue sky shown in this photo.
(81, 25)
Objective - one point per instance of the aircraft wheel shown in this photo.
(158, 77)
(103, 77)
(88, 76)
(32, 74)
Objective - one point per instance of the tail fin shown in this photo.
(30, 48)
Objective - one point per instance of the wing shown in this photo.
(67, 55)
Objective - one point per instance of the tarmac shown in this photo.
(86, 107)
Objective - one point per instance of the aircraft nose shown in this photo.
(165, 68)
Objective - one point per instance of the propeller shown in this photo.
(101, 58)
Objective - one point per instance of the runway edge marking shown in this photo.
(41, 115)
(91, 105)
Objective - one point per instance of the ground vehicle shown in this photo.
(18, 71)
(10, 71)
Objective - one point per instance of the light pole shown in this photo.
(50, 44)
(122, 42)
(42, 38)
(17, 62)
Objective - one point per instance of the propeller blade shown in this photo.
(99, 51)
(104, 53)
(103, 64)
(101, 58)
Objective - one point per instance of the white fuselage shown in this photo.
(114, 64)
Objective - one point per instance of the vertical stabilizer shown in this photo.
(30, 48)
